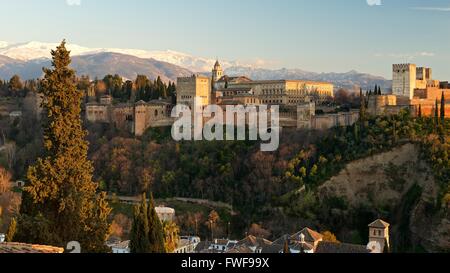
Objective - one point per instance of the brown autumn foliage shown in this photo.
(258, 231)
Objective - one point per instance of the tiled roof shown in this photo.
(233, 79)
(310, 235)
(28, 248)
(379, 224)
(252, 241)
(203, 245)
(274, 248)
(329, 247)
(240, 249)
(232, 88)
(302, 246)
(282, 239)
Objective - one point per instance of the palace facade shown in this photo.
(297, 100)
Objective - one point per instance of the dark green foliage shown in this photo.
(147, 90)
(147, 234)
(139, 240)
(156, 233)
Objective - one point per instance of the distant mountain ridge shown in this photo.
(39, 50)
(97, 66)
(27, 60)
(349, 80)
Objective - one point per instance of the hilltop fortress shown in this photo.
(297, 100)
(412, 88)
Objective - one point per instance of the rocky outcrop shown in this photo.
(400, 182)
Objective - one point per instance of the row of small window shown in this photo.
(156, 112)
(272, 101)
(250, 101)
(271, 92)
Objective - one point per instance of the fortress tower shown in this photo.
(404, 80)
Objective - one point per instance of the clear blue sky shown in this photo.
(316, 35)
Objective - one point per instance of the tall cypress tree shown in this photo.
(443, 108)
(139, 242)
(420, 111)
(156, 232)
(61, 200)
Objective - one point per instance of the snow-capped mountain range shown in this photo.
(39, 50)
(27, 60)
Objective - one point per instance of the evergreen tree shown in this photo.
(11, 230)
(379, 90)
(15, 83)
(61, 200)
(147, 234)
(156, 232)
(139, 242)
(376, 90)
(420, 111)
(443, 109)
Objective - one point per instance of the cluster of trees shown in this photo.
(350, 99)
(375, 92)
(147, 234)
(16, 87)
(142, 88)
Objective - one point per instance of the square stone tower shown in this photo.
(404, 80)
(195, 89)
(379, 236)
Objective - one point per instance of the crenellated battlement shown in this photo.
(401, 67)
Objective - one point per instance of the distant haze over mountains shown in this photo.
(349, 80)
(27, 60)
